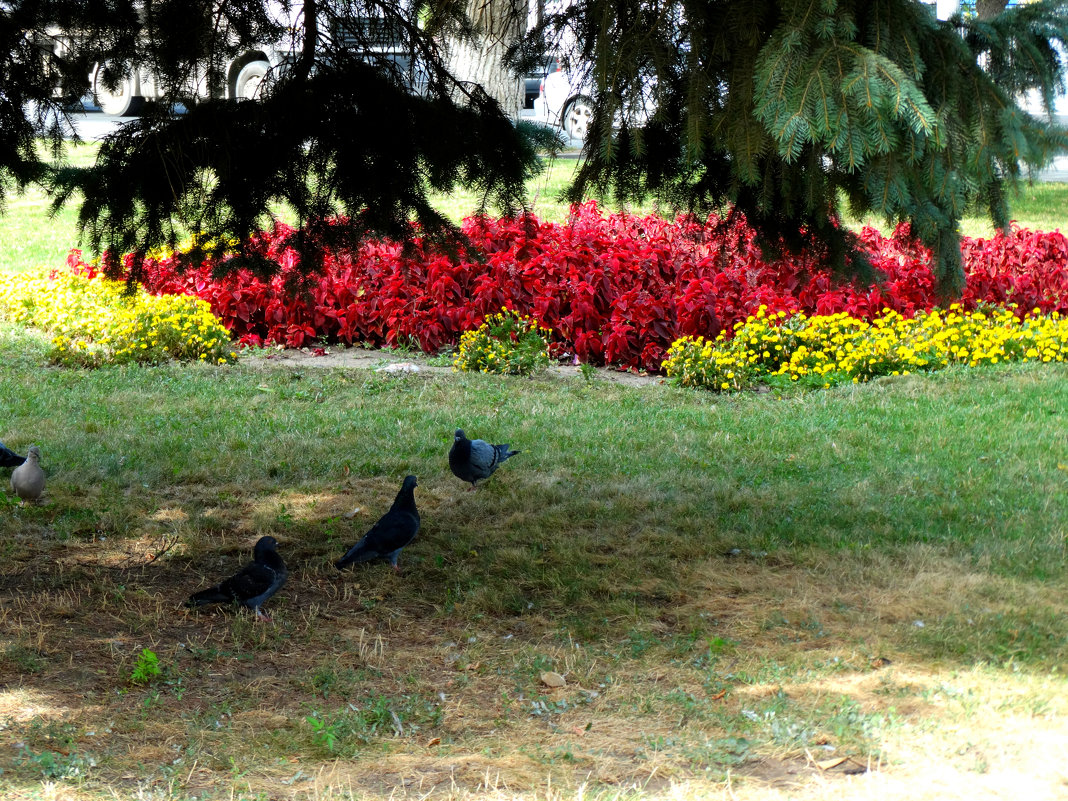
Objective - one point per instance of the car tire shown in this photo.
(122, 102)
(576, 118)
(247, 85)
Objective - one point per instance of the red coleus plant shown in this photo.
(615, 289)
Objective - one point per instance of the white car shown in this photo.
(563, 101)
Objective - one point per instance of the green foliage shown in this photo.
(50, 748)
(147, 668)
(55, 764)
(508, 343)
(40, 76)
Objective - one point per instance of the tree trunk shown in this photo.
(498, 24)
(986, 9)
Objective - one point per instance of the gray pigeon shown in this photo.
(475, 459)
(28, 479)
(253, 585)
(8, 458)
(390, 534)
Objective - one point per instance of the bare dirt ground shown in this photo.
(411, 361)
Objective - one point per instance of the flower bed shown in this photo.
(96, 321)
(828, 349)
(614, 289)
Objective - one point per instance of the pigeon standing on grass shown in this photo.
(8, 458)
(475, 459)
(390, 534)
(28, 479)
(251, 587)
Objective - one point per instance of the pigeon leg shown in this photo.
(262, 616)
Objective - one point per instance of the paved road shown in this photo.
(94, 125)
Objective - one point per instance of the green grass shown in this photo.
(754, 552)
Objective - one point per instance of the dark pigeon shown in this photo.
(256, 582)
(8, 458)
(475, 459)
(390, 534)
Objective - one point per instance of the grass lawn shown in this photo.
(857, 593)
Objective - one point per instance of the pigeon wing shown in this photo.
(484, 458)
(395, 530)
(253, 585)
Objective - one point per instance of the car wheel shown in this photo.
(248, 82)
(577, 116)
(121, 101)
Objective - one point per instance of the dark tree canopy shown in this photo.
(360, 119)
(782, 108)
(778, 110)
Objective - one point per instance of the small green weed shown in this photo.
(147, 668)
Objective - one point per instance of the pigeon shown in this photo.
(28, 479)
(257, 581)
(474, 460)
(8, 458)
(390, 534)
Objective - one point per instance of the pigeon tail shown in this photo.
(355, 555)
(503, 452)
(8, 458)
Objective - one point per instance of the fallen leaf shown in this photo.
(827, 764)
(433, 741)
(474, 666)
(718, 696)
(550, 679)
(880, 662)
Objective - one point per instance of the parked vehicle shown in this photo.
(563, 100)
(243, 77)
(244, 73)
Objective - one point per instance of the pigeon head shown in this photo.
(265, 544)
(33, 452)
(409, 483)
(460, 434)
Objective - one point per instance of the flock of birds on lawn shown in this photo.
(470, 461)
